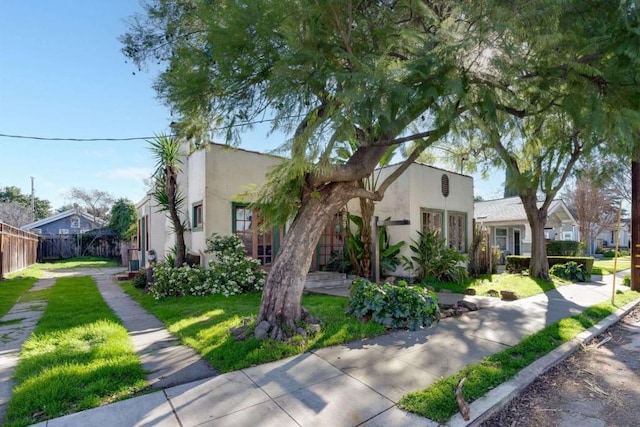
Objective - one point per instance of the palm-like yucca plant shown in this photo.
(168, 156)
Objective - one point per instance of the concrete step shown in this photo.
(326, 279)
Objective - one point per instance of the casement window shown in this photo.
(197, 219)
(501, 238)
(258, 243)
(456, 231)
(432, 220)
(75, 222)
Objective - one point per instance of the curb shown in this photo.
(496, 399)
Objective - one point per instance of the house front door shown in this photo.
(516, 242)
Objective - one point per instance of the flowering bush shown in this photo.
(231, 272)
(170, 281)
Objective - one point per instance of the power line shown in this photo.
(138, 138)
(44, 138)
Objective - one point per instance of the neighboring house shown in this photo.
(60, 233)
(607, 237)
(214, 179)
(510, 230)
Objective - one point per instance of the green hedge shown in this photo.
(516, 264)
(564, 248)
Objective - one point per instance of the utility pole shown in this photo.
(33, 199)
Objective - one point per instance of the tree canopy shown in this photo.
(531, 82)
(123, 219)
(11, 194)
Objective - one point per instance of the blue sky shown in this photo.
(62, 75)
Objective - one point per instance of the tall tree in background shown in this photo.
(556, 83)
(11, 194)
(166, 193)
(122, 220)
(96, 203)
(595, 207)
(15, 214)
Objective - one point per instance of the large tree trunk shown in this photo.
(367, 207)
(281, 305)
(539, 265)
(178, 229)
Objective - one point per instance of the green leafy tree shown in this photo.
(166, 193)
(558, 83)
(326, 72)
(11, 194)
(123, 219)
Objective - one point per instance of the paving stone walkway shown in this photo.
(167, 362)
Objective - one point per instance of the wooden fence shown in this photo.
(63, 246)
(18, 249)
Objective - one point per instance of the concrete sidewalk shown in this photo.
(347, 385)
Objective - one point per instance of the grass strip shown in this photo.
(203, 323)
(11, 290)
(78, 357)
(523, 285)
(438, 402)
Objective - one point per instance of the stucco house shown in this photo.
(607, 237)
(431, 199)
(214, 179)
(509, 228)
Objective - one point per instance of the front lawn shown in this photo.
(438, 401)
(524, 286)
(204, 322)
(78, 357)
(605, 266)
(11, 290)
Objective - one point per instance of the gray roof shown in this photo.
(511, 209)
(36, 224)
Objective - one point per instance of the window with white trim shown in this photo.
(501, 238)
(456, 231)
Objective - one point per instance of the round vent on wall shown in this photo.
(444, 181)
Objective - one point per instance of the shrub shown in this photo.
(394, 306)
(479, 259)
(140, 279)
(434, 260)
(626, 280)
(171, 281)
(517, 264)
(570, 271)
(232, 271)
(564, 248)
(611, 253)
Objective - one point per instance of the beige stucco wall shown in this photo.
(194, 186)
(223, 175)
(419, 188)
(159, 238)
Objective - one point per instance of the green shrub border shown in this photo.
(519, 263)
